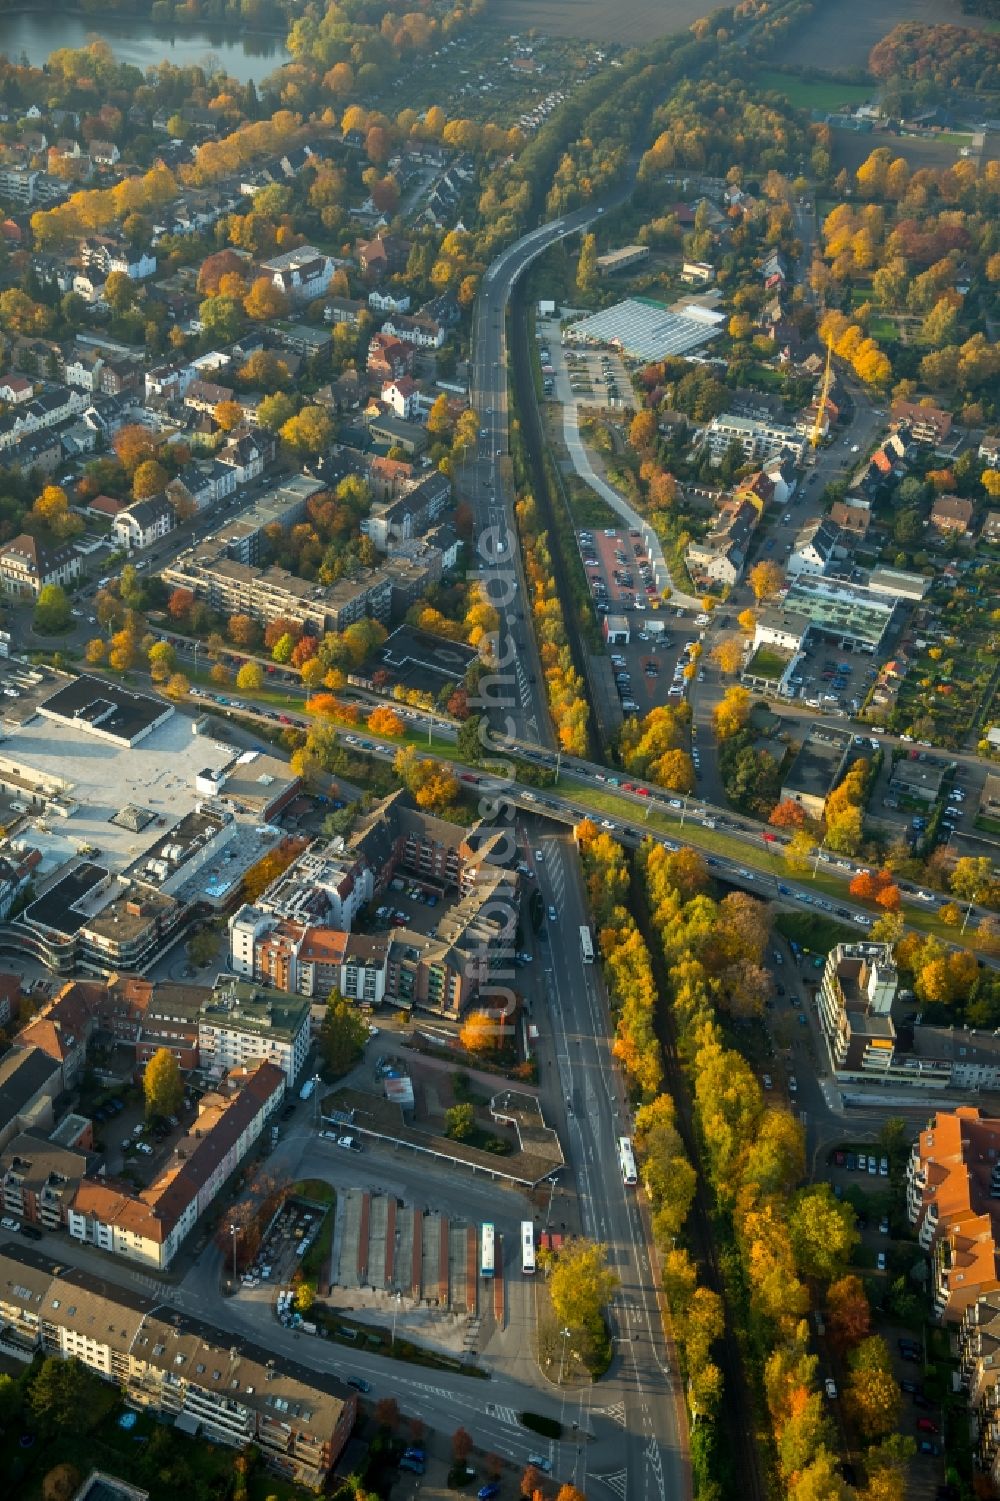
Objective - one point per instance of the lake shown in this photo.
(245, 56)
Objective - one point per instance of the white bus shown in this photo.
(527, 1248)
(586, 946)
(487, 1260)
(626, 1161)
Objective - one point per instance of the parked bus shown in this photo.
(586, 946)
(487, 1260)
(527, 1248)
(626, 1161)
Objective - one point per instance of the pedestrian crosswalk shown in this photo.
(617, 1481)
(502, 1414)
(615, 1412)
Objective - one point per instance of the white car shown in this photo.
(830, 1387)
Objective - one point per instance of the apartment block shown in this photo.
(191, 1375)
(150, 1226)
(242, 1023)
(760, 437)
(979, 1363)
(297, 935)
(953, 1201)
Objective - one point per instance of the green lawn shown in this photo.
(817, 93)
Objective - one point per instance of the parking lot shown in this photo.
(649, 668)
(832, 678)
(582, 377)
(281, 1251)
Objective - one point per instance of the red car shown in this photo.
(642, 791)
(926, 1426)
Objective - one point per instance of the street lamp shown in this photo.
(395, 1311)
(566, 1335)
(234, 1231)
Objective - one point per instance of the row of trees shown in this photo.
(564, 685)
(667, 1175)
(790, 1239)
(628, 970)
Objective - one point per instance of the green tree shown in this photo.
(61, 1397)
(52, 611)
(586, 267)
(309, 431)
(274, 411)
(873, 1393)
(823, 1231)
(459, 1121)
(581, 1284)
(162, 1084)
(162, 660)
(250, 677)
(202, 947)
(343, 1034)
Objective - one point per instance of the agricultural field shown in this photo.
(814, 93)
(842, 34)
(850, 149)
(630, 24)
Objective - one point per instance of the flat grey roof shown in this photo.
(101, 778)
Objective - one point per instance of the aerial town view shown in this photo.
(499, 750)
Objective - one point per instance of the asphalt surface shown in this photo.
(485, 482)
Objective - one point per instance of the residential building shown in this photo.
(979, 1364)
(62, 1029)
(50, 407)
(721, 557)
(989, 450)
(420, 330)
(150, 1226)
(18, 184)
(386, 255)
(402, 397)
(15, 389)
(143, 523)
(187, 1373)
(38, 1179)
(951, 515)
(815, 549)
(760, 437)
(853, 517)
(302, 274)
(855, 1004)
(697, 273)
(953, 1202)
(388, 357)
(242, 1023)
(991, 528)
(344, 310)
(271, 593)
(297, 935)
(926, 424)
(27, 565)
